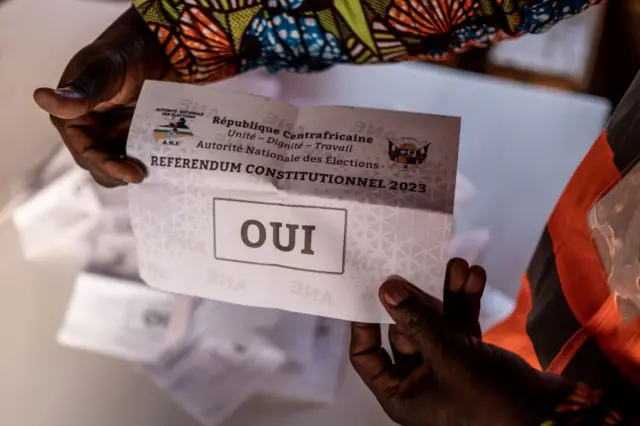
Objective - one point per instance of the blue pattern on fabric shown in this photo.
(295, 44)
(543, 15)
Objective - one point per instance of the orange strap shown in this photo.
(576, 341)
(580, 269)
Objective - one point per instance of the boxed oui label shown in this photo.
(254, 201)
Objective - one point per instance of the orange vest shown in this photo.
(566, 320)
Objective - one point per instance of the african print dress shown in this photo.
(207, 40)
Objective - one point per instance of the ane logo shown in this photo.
(168, 134)
(407, 152)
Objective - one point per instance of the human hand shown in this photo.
(90, 107)
(442, 373)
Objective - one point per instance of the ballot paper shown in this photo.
(254, 201)
(119, 318)
(66, 211)
(317, 378)
(210, 379)
(223, 355)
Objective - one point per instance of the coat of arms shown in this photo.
(407, 152)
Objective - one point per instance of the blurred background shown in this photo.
(530, 108)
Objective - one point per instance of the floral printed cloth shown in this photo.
(207, 40)
(585, 407)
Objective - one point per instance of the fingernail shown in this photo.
(395, 292)
(476, 281)
(456, 275)
(65, 91)
(136, 179)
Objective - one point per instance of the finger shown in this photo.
(118, 170)
(406, 353)
(476, 283)
(106, 181)
(108, 167)
(474, 288)
(417, 318)
(115, 170)
(456, 275)
(95, 75)
(371, 361)
(420, 294)
(462, 292)
(417, 382)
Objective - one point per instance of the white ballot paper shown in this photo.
(254, 201)
(120, 318)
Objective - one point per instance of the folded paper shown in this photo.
(254, 201)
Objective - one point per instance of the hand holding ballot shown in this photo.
(255, 201)
(442, 374)
(89, 108)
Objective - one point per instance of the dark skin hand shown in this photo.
(442, 373)
(91, 107)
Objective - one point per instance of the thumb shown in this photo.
(92, 77)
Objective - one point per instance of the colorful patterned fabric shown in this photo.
(207, 40)
(583, 406)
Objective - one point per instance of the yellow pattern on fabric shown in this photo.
(514, 17)
(384, 36)
(154, 14)
(486, 7)
(328, 23)
(364, 57)
(369, 14)
(240, 20)
(222, 19)
(380, 7)
(353, 14)
(344, 31)
(154, 11)
(358, 52)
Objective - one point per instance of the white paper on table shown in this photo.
(59, 162)
(295, 334)
(313, 348)
(57, 220)
(207, 182)
(178, 327)
(118, 318)
(317, 379)
(210, 378)
(291, 333)
(113, 249)
(225, 321)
